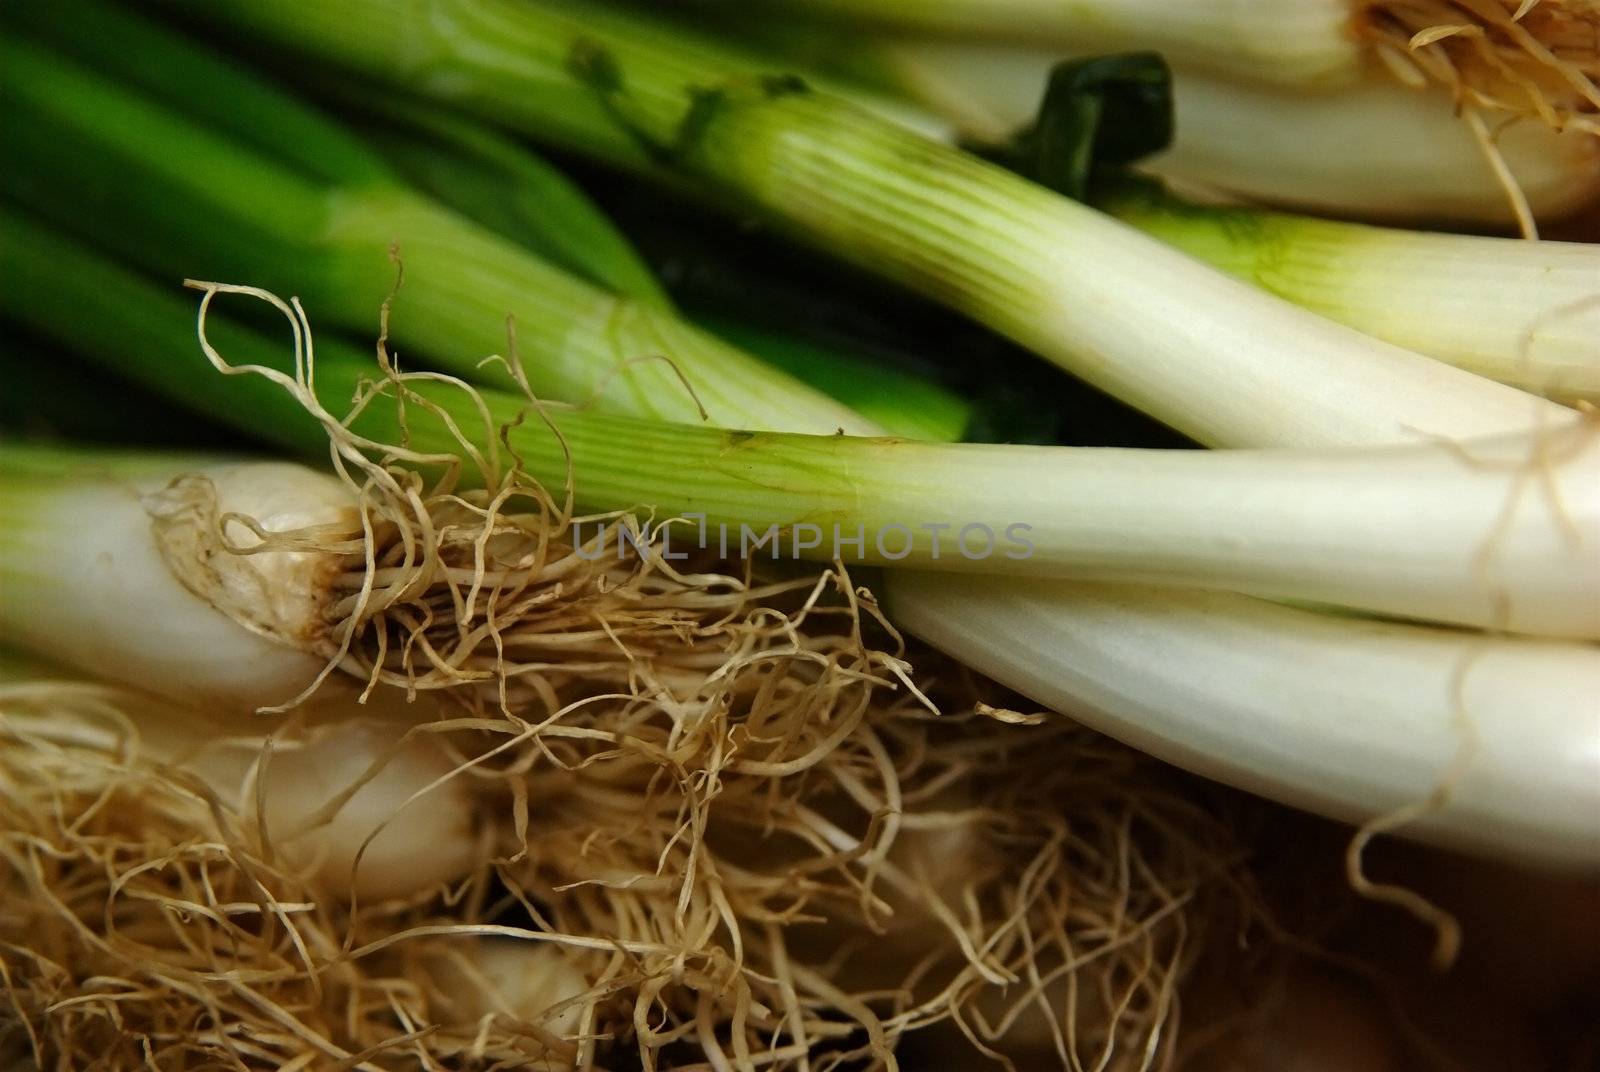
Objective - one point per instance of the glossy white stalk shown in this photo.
(1298, 42)
(90, 580)
(1403, 153)
(1345, 717)
(508, 979)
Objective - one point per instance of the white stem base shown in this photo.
(1371, 150)
(1348, 718)
(1375, 151)
(407, 828)
(108, 605)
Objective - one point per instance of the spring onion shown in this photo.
(1208, 355)
(1538, 58)
(1238, 689)
(138, 549)
(1403, 154)
(1345, 528)
(1521, 312)
(346, 797)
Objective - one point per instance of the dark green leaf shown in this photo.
(1098, 115)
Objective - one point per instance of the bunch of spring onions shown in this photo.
(177, 515)
(1381, 602)
(1518, 312)
(1226, 364)
(1313, 526)
(1056, 277)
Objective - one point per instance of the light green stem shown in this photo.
(184, 201)
(1224, 363)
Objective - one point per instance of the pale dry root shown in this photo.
(739, 918)
(1503, 58)
(719, 792)
(144, 924)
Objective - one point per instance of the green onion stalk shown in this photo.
(1522, 312)
(1173, 517)
(498, 182)
(1201, 352)
(182, 198)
